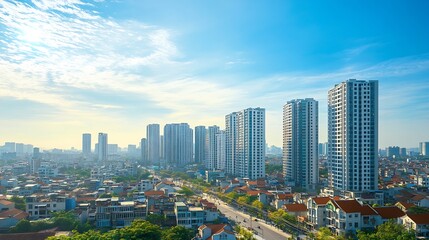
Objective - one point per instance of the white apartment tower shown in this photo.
(353, 135)
(245, 143)
(86, 144)
(153, 141)
(231, 142)
(300, 143)
(210, 148)
(178, 144)
(200, 144)
(221, 150)
(102, 147)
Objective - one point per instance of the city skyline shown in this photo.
(62, 77)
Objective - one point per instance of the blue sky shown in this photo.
(68, 67)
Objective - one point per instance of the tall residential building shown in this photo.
(200, 144)
(178, 144)
(152, 135)
(424, 148)
(245, 143)
(143, 151)
(19, 148)
(161, 148)
(210, 160)
(300, 143)
(393, 151)
(221, 150)
(102, 147)
(353, 135)
(86, 144)
(231, 135)
(10, 147)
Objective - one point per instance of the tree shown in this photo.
(186, 191)
(388, 230)
(156, 219)
(417, 210)
(19, 203)
(177, 233)
(22, 226)
(258, 204)
(244, 234)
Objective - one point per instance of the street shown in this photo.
(261, 229)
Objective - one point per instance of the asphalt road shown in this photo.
(261, 229)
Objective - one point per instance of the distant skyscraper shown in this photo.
(221, 150)
(245, 143)
(161, 148)
(424, 148)
(86, 144)
(112, 149)
(152, 135)
(231, 139)
(403, 152)
(210, 148)
(102, 146)
(143, 151)
(178, 144)
(9, 147)
(131, 150)
(393, 152)
(200, 144)
(300, 142)
(353, 135)
(19, 148)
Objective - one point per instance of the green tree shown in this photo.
(22, 226)
(177, 233)
(19, 202)
(388, 230)
(186, 191)
(156, 219)
(258, 204)
(417, 210)
(244, 234)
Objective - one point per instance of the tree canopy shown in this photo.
(388, 230)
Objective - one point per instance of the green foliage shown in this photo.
(272, 168)
(19, 202)
(258, 204)
(417, 210)
(79, 172)
(388, 230)
(177, 233)
(156, 219)
(234, 195)
(280, 216)
(186, 191)
(64, 221)
(244, 234)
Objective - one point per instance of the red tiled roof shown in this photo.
(367, 210)
(418, 197)
(283, 196)
(389, 212)
(253, 193)
(420, 218)
(348, 206)
(321, 200)
(6, 202)
(15, 213)
(153, 193)
(295, 207)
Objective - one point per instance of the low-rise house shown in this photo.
(110, 212)
(189, 217)
(389, 213)
(11, 217)
(296, 209)
(215, 232)
(418, 222)
(41, 206)
(6, 205)
(316, 214)
(282, 199)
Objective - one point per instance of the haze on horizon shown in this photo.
(69, 67)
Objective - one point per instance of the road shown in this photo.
(262, 230)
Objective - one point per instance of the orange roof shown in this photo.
(389, 212)
(420, 218)
(367, 210)
(418, 197)
(295, 207)
(6, 202)
(15, 213)
(153, 193)
(321, 200)
(283, 196)
(253, 193)
(348, 206)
